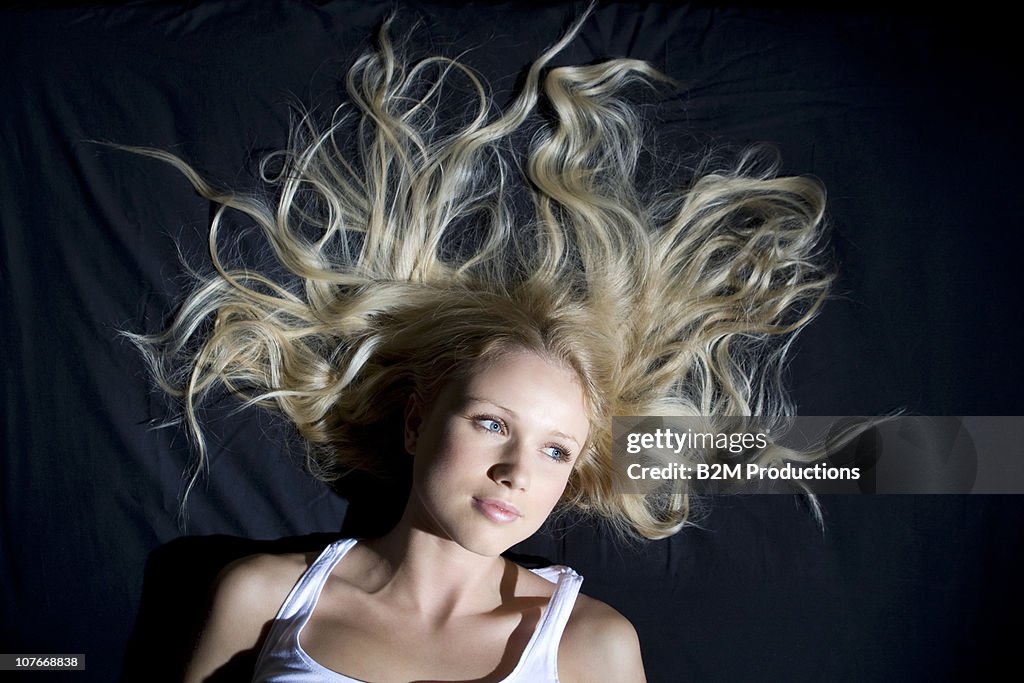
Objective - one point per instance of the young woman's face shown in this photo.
(494, 451)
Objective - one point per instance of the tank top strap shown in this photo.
(304, 595)
(540, 661)
(278, 656)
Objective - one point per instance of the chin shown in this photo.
(490, 540)
(487, 545)
(474, 531)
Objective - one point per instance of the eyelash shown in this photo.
(566, 454)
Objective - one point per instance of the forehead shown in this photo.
(530, 386)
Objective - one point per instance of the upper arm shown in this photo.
(246, 598)
(599, 644)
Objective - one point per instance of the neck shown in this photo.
(433, 576)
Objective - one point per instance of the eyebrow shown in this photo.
(555, 432)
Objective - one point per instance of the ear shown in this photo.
(413, 421)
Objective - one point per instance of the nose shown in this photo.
(512, 468)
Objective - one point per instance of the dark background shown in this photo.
(908, 120)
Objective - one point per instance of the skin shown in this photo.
(433, 599)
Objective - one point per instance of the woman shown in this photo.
(492, 287)
(490, 465)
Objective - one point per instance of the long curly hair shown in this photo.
(413, 239)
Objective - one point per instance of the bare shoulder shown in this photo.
(247, 596)
(599, 644)
(251, 581)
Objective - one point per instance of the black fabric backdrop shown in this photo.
(905, 119)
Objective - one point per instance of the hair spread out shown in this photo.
(418, 238)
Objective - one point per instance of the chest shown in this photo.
(364, 639)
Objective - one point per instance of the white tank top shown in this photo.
(282, 659)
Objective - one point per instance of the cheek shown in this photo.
(445, 457)
(573, 477)
(555, 487)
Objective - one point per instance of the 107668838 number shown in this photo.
(20, 662)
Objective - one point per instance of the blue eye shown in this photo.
(557, 453)
(490, 424)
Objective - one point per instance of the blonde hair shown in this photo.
(416, 244)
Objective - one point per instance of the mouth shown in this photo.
(500, 511)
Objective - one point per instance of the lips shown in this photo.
(500, 511)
